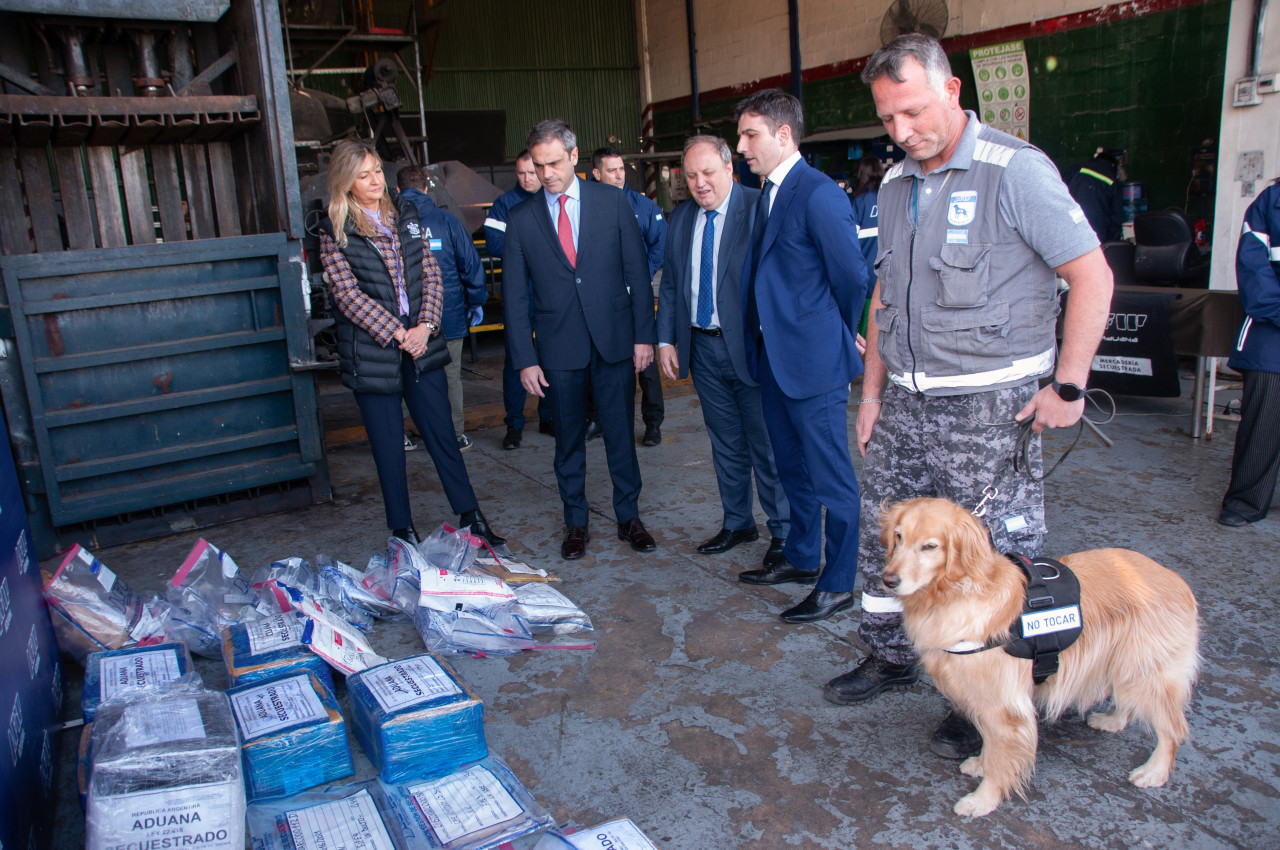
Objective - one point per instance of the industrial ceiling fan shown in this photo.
(927, 17)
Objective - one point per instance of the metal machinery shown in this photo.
(155, 353)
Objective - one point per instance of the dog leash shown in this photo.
(1021, 459)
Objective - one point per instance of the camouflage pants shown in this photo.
(953, 447)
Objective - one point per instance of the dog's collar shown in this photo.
(1050, 619)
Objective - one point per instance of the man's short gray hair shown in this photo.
(551, 129)
(721, 146)
(889, 60)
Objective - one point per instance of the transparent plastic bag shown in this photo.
(495, 631)
(396, 575)
(549, 611)
(285, 585)
(445, 590)
(208, 593)
(91, 608)
(343, 585)
(449, 548)
(120, 673)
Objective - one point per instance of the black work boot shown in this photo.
(868, 679)
(956, 737)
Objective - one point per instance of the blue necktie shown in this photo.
(706, 281)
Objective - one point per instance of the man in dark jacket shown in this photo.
(1096, 187)
(608, 167)
(495, 232)
(1255, 462)
(464, 289)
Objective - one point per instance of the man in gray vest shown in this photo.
(974, 226)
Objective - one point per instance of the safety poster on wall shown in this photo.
(1004, 87)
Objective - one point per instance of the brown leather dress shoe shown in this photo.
(633, 532)
(575, 542)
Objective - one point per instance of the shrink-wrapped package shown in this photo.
(272, 646)
(91, 608)
(477, 807)
(416, 718)
(111, 674)
(293, 733)
(165, 772)
(340, 817)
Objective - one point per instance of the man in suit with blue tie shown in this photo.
(576, 275)
(700, 331)
(804, 283)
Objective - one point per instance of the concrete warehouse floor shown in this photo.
(700, 715)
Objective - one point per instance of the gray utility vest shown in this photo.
(963, 294)
(366, 366)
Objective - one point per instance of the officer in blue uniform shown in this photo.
(495, 230)
(1255, 461)
(607, 167)
(463, 276)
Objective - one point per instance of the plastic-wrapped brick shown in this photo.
(478, 807)
(338, 817)
(261, 649)
(110, 674)
(293, 732)
(165, 772)
(416, 718)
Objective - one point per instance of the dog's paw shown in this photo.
(975, 805)
(972, 766)
(1109, 722)
(1149, 776)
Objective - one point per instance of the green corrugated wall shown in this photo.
(1151, 84)
(569, 59)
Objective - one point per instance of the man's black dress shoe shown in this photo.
(474, 522)
(512, 439)
(593, 430)
(575, 542)
(546, 427)
(1231, 519)
(774, 556)
(633, 532)
(868, 679)
(818, 605)
(780, 573)
(956, 737)
(408, 535)
(726, 540)
(652, 435)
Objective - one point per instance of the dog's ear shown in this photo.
(968, 546)
(889, 518)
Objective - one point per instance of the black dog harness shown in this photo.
(1050, 620)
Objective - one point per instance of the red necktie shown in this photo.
(565, 230)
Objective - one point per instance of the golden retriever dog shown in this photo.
(1138, 646)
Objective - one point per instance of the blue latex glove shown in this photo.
(475, 315)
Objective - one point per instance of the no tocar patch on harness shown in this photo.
(1050, 620)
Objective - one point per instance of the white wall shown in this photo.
(1247, 128)
(740, 41)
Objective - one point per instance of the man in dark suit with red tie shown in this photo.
(576, 275)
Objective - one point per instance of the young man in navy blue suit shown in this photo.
(700, 332)
(803, 288)
(576, 275)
